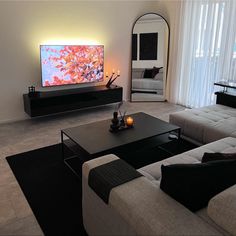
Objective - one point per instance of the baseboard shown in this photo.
(14, 120)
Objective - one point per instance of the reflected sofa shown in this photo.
(149, 85)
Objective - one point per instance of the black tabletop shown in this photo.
(226, 84)
(96, 137)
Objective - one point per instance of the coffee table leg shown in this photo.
(65, 158)
(62, 146)
(179, 133)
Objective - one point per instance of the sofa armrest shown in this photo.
(222, 209)
(140, 207)
(87, 166)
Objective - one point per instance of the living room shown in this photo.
(39, 193)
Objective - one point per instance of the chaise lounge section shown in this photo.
(140, 207)
(206, 124)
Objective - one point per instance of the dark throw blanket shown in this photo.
(105, 177)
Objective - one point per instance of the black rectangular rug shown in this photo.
(52, 190)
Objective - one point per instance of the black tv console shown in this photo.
(49, 102)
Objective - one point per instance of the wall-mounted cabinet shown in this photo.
(45, 103)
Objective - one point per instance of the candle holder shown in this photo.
(32, 92)
(112, 78)
(129, 122)
(120, 124)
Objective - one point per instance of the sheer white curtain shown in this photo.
(207, 50)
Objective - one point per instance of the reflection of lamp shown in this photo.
(111, 79)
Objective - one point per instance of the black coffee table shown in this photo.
(92, 140)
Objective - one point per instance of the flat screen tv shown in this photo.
(71, 64)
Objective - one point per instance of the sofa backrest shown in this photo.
(137, 73)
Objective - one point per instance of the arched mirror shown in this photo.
(150, 41)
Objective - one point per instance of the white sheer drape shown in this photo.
(207, 50)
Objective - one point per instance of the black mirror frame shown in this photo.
(168, 49)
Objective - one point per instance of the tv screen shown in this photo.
(71, 64)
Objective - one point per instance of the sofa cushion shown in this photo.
(151, 73)
(156, 71)
(206, 124)
(147, 73)
(205, 217)
(222, 209)
(152, 212)
(193, 185)
(158, 76)
(218, 156)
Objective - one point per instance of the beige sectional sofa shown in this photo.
(140, 207)
(206, 124)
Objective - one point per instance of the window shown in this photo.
(207, 50)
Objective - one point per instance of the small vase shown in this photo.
(115, 121)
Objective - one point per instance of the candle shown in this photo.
(129, 121)
(106, 74)
(113, 71)
(118, 73)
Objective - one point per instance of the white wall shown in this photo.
(26, 25)
(171, 11)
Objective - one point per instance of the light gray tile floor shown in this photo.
(16, 217)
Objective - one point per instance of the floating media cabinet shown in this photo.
(49, 102)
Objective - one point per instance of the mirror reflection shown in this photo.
(149, 58)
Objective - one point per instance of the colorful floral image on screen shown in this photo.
(69, 64)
